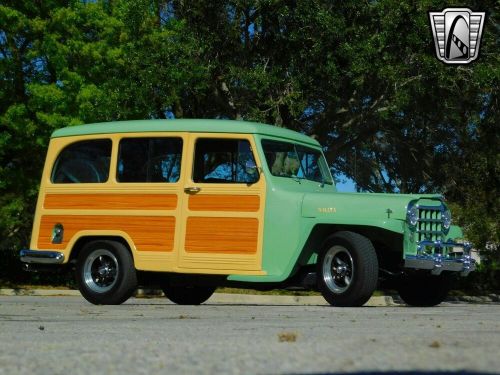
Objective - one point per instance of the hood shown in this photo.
(362, 208)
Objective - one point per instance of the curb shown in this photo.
(252, 299)
(217, 298)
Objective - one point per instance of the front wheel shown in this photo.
(424, 290)
(105, 273)
(188, 295)
(347, 270)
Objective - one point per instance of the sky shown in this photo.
(345, 184)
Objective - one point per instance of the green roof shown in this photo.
(196, 126)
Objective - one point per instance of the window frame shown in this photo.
(329, 179)
(65, 147)
(221, 137)
(149, 138)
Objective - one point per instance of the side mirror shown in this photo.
(252, 171)
(251, 168)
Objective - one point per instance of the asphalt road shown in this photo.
(67, 335)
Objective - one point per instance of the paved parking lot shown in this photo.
(67, 335)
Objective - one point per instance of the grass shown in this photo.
(6, 284)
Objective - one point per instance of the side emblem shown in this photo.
(327, 210)
(457, 34)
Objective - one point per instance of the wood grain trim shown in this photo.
(213, 202)
(221, 235)
(111, 201)
(149, 233)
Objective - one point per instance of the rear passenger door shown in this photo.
(223, 206)
(148, 172)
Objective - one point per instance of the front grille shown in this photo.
(430, 225)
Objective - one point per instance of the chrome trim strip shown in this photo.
(438, 263)
(429, 232)
(439, 244)
(430, 220)
(43, 257)
(432, 208)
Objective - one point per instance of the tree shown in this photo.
(361, 77)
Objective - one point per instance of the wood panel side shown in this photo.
(213, 202)
(111, 201)
(149, 233)
(221, 235)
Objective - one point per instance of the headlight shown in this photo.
(412, 215)
(446, 218)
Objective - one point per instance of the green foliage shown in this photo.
(361, 77)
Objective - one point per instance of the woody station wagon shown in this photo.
(190, 205)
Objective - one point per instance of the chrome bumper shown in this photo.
(438, 263)
(41, 257)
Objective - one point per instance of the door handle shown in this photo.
(192, 190)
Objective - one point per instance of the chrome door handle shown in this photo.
(192, 189)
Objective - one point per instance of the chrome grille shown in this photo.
(430, 225)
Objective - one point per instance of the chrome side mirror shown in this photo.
(252, 171)
(251, 168)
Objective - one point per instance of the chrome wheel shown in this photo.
(100, 271)
(347, 269)
(338, 269)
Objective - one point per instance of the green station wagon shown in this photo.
(189, 205)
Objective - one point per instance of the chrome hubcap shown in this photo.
(100, 271)
(338, 270)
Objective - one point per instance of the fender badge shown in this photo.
(327, 210)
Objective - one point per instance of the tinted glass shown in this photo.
(83, 162)
(224, 161)
(296, 161)
(149, 160)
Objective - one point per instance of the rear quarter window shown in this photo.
(83, 162)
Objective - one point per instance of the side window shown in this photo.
(310, 163)
(224, 161)
(149, 159)
(83, 162)
(281, 158)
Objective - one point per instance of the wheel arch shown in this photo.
(83, 240)
(388, 244)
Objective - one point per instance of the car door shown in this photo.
(223, 206)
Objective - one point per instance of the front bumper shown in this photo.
(438, 262)
(41, 257)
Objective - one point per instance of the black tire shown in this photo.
(424, 290)
(188, 295)
(105, 273)
(347, 270)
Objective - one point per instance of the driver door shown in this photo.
(223, 206)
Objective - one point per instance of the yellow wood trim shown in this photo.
(221, 235)
(134, 213)
(148, 233)
(224, 202)
(111, 201)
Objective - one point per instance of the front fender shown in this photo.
(385, 211)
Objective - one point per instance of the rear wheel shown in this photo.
(347, 270)
(188, 295)
(424, 290)
(105, 273)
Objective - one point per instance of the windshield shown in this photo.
(296, 161)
